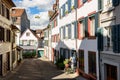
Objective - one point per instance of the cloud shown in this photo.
(39, 22)
(42, 5)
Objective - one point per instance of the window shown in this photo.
(92, 26)
(66, 8)
(7, 13)
(27, 34)
(32, 42)
(61, 12)
(108, 39)
(108, 4)
(72, 4)
(81, 60)
(3, 12)
(82, 28)
(13, 56)
(111, 72)
(2, 34)
(8, 35)
(24, 42)
(72, 31)
(92, 63)
(61, 34)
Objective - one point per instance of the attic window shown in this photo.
(27, 34)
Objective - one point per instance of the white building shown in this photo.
(29, 40)
(77, 25)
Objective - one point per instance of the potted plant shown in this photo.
(66, 63)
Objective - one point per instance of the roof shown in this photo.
(17, 12)
(32, 31)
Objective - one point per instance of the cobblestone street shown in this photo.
(38, 69)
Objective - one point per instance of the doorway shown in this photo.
(0, 65)
(111, 72)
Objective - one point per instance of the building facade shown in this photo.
(20, 19)
(6, 39)
(29, 40)
(47, 43)
(74, 31)
(108, 40)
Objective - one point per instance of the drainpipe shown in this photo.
(76, 41)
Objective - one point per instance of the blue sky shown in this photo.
(36, 8)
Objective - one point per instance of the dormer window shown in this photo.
(27, 34)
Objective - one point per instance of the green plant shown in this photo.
(66, 61)
(72, 7)
(66, 12)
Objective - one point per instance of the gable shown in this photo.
(28, 35)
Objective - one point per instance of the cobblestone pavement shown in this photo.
(38, 69)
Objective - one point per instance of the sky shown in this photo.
(36, 8)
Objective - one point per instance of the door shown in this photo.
(40, 53)
(8, 61)
(111, 72)
(0, 64)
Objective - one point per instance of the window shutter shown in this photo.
(115, 2)
(96, 23)
(100, 39)
(69, 31)
(64, 10)
(69, 6)
(100, 4)
(115, 39)
(75, 29)
(79, 36)
(86, 26)
(75, 3)
(60, 32)
(64, 32)
(60, 13)
(84, 1)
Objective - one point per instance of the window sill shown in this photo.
(108, 10)
(91, 37)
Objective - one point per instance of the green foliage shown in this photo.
(29, 54)
(60, 63)
(66, 61)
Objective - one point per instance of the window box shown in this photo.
(73, 7)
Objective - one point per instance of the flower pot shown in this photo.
(66, 65)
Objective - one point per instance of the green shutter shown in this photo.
(100, 39)
(64, 10)
(115, 2)
(69, 6)
(100, 4)
(115, 38)
(96, 23)
(69, 31)
(86, 26)
(75, 3)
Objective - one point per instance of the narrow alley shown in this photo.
(38, 69)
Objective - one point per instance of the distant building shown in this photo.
(40, 48)
(20, 19)
(47, 43)
(29, 40)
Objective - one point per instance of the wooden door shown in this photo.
(111, 72)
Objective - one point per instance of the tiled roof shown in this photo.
(17, 12)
